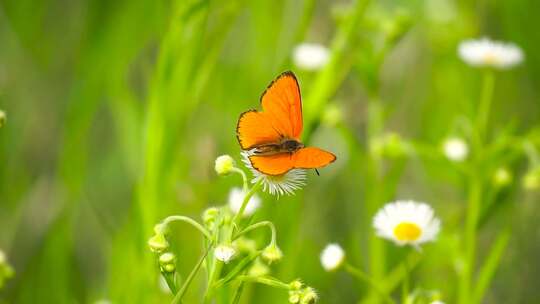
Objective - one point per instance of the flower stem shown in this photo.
(244, 177)
(248, 196)
(475, 188)
(190, 221)
(258, 225)
(366, 278)
(406, 282)
(484, 107)
(178, 297)
(266, 280)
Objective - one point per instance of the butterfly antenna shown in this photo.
(317, 172)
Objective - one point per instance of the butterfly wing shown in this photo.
(305, 158)
(283, 104)
(312, 158)
(255, 128)
(281, 116)
(275, 164)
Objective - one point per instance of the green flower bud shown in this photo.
(309, 296)
(167, 261)
(2, 118)
(210, 216)
(258, 269)
(272, 253)
(224, 164)
(296, 285)
(531, 180)
(158, 243)
(502, 177)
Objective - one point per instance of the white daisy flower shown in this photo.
(455, 149)
(236, 198)
(489, 53)
(407, 222)
(310, 56)
(278, 185)
(224, 253)
(332, 257)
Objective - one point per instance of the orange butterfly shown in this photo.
(273, 135)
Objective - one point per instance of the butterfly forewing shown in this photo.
(254, 129)
(282, 102)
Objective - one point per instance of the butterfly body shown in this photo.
(272, 136)
(285, 146)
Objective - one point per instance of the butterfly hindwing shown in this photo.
(311, 157)
(275, 164)
(283, 104)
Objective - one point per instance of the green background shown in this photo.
(116, 111)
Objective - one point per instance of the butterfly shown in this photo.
(272, 136)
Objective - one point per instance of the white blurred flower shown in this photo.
(310, 56)
(224, 253)
(332, 257)
(236, 198)
(277, 184)
(488, 53)
(437, 302)
(407, 222)
(455, 149)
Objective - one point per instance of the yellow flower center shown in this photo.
(407, 231)
(490, 58)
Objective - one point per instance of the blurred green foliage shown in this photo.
(116, 111)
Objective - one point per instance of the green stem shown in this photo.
(178, 297)
(490, 265)
(367, 279)
(190, 221)
(484, 107)
(248, 196)
(406, 283)
(258, 225)
(475, 196)
(244, 177)
(266, 280)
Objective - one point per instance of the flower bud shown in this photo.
(224, 164)
(5, 269)
(531, 180)
(309, 296)
(502, 177)
(158, 243)
(224, 253)
(210, 216)
(244, 244)
(258, 269)
(2, 118)
(272, 253)
(296, 285)
(167, 261)
(455, 149)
